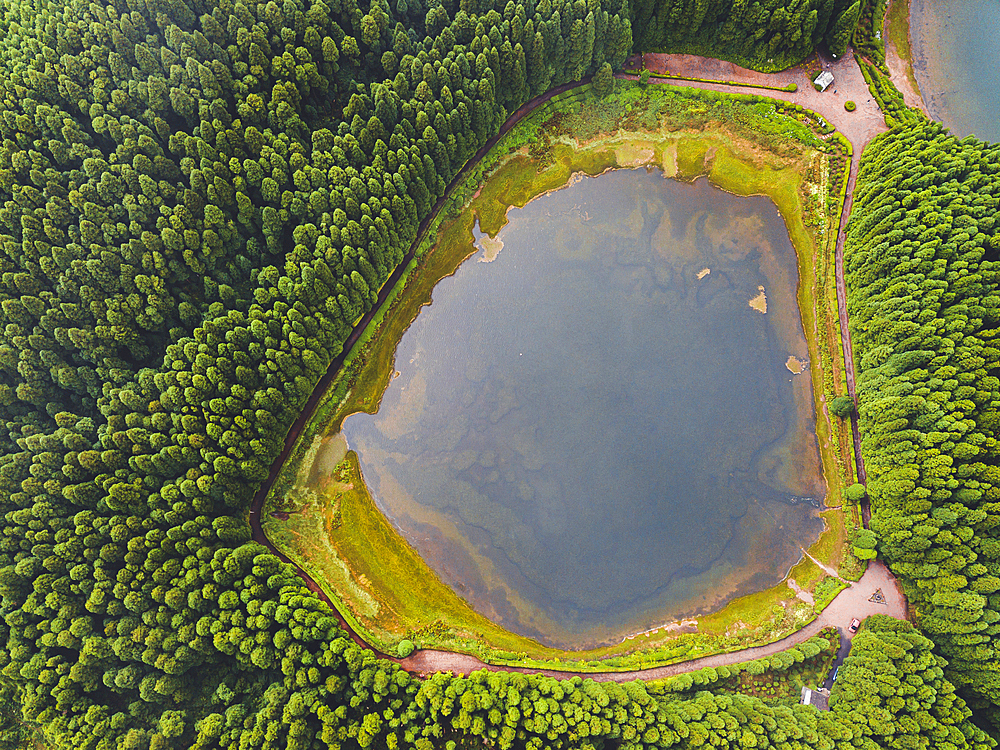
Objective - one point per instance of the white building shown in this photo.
(823, 80)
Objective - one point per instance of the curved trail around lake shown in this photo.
(859, 128)
(852, 602)
(257, 504)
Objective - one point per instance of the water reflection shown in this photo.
(604, 434)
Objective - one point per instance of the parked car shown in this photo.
(855, 624)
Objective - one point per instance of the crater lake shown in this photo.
(604, 421)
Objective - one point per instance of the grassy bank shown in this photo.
(897, 32)
(897, 28)
(326, 520)
(740, 84)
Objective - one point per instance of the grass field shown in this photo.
(321, 515)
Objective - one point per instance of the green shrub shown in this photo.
(865, 539)
(604, 80)
(842, 406)
(863, 543)
(850, 106)
(792, 87)
(405, 648)
(756, 667)
(855, 493)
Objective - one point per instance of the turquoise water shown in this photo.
(585, 438)
(955, 58)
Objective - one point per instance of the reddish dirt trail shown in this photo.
(858, 127)
(845, 333)
(852, 602)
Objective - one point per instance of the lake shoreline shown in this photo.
(693, 585)
(926, 23)
(741, 181)
(899, 54)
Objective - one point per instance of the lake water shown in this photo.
(600, 430)
(955, 57)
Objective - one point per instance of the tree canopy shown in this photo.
(198, 200)
(922, 275)
(764, 35)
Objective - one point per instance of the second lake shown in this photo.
(954, 49)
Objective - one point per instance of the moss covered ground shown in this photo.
(321, 515)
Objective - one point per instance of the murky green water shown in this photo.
(596, 432)
(955, 50)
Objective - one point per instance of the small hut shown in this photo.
(823, 80)
(819, 698)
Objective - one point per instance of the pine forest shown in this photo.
(198, 201)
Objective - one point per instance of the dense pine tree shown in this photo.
(922, 275)
(198, 200)
(765, 34)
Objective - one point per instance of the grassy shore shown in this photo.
(747, 145)
(897, 32)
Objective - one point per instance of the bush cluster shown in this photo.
(868, 39)
(824, 644)
(889, 99)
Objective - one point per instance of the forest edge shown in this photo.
(424, 661)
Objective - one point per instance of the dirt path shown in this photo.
(859, 127)
(850, 603)
(845, 331)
